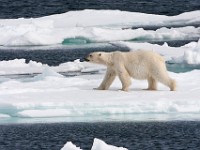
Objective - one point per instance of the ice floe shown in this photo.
(96, 26)
(70, 146)
(97, 145)
(52, 95)
(20, 66)
(190, 56)
(74, 99)
(187, 54)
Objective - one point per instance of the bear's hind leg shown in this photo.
(172, 85)
(166, 80)
(152, 84)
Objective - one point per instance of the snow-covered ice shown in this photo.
(52, 95)
(57, 96)
(96, 26)
(191, 56)
(187, 54)
(19, 66)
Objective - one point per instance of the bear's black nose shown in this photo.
(85, 59)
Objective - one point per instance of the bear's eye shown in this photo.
(100, 54)
(90, 55)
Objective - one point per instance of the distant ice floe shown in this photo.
(191, 56)
(187, 54)
(96, 26)
(97, 145)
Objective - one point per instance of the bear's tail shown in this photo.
(173, 85)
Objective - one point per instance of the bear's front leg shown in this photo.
(124, 78)
(108, 79)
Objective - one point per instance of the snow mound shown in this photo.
(47, 72)
(19, 66)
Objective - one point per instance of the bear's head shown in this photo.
(99, 58)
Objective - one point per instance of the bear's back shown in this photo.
(141, 63)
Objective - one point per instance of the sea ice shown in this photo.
(101, 145)
(97, 145)
(19, 66)
(52, 95)
(187, 54)
(74, 98)
(108, 26)
(190, 56)
(70, 146)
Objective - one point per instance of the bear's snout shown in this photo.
(86, 59)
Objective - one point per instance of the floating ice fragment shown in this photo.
(101, 145)
(70, 146)
(97, 145)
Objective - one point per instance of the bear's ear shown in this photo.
(99, 54)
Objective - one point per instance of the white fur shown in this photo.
(136, 64)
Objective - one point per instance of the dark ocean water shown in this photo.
(55, 56)
(38, 8)
(132, 135)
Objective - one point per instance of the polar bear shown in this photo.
(140, 64)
